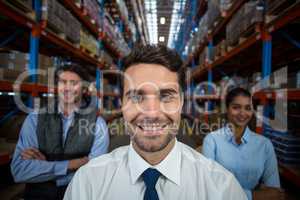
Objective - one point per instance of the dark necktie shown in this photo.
(150, 177)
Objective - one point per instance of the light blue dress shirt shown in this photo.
(35, 171)
(252, 162)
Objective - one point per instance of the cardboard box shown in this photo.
(11, 75)
(14, 60)
(213, 13)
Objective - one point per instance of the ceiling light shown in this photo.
(162, 20)
(151, 18)
(161, 38)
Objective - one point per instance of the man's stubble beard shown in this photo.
(140, 141)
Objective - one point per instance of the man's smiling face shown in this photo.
(151, 105)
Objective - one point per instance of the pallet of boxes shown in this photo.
(243, 24)
(61, 21)
(13, 64)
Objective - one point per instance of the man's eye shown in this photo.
(166, 97)
(136, 98)
(235, 107)
(248, 108)
(62, 82)
(74, 82)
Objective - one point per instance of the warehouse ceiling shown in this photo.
(164, 18)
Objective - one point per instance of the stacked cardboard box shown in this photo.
(218, 51)
(252, 13)
(107, 59)
(213, 11)
(93, 9)
(203, 57)
(15, 60)
(121, 43)
(72, 28)
(47, 66)
(52, 13)
(233, 29)
(60, 20)
(12, 64)
(203, 28)
(108, 25)
(242, 22)
(89, 42)
(112, 31)
(225, 5)
(123, 10)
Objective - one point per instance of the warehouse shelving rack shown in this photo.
(118, 16)
(220, 25)
(93, 28)
(263, 33)
(38, 32)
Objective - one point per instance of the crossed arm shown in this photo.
(30, 165)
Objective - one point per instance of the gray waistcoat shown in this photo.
(79, 137)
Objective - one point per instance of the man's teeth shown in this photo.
(151, 127)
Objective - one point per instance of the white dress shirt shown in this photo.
(186, 175)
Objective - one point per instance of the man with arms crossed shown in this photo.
(54, 144)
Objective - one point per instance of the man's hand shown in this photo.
(77, 163)
(265, 192)
(32, 154)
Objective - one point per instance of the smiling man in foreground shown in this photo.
(155, 165)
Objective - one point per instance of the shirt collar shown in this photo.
(76, 110)
(169, 167)
(230, 136)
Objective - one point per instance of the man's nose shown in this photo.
(68, 86)
(151, 105)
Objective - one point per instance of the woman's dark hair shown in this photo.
(156, 54)
(75, 68)
(234, 93)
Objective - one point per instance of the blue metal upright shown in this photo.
(210, 74)
(34, 47)
(99, 80)
(266, 66)
(99, 87)
(184, 32)
(33, 62)
(267, 58)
